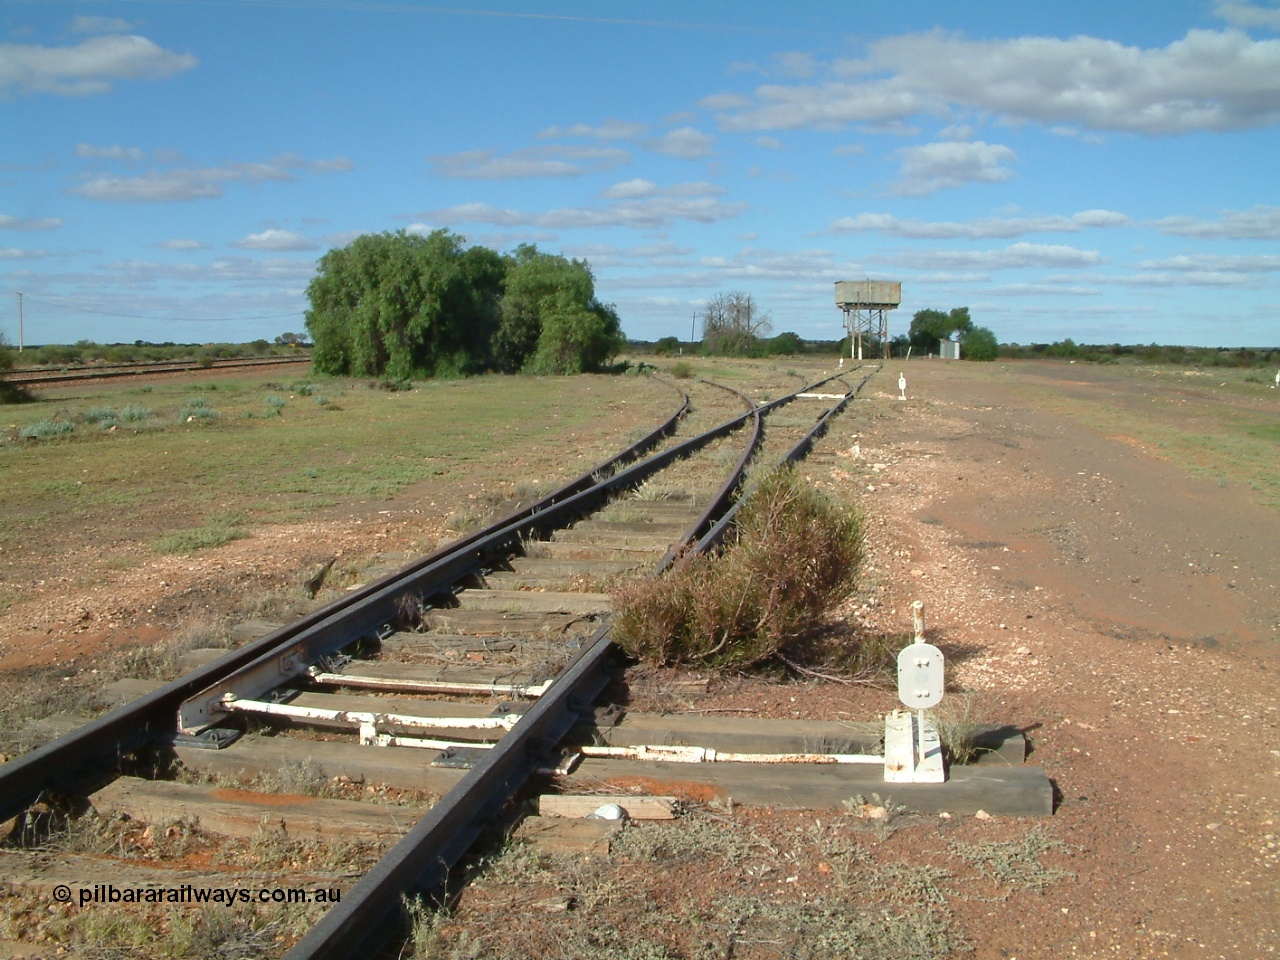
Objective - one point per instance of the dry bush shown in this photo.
(796, 554)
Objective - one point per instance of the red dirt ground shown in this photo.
(1123, 612)
(1127, 616)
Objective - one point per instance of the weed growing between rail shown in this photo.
(796, 555)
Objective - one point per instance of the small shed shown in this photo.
(949, 349)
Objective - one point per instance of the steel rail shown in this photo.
(421, 860)
(285, 661)
(89, 756)
(716, 534)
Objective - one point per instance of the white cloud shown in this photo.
(86, 24)
(848, 150)
(1190, 278)
(89, 68)
(164, 186)
(1151, 278)
(769, 143)
(281, 241)
(795, 64)
(638, 204)
(343, 237)
(830, 106)
(687, 143)
(183, 245)
(1261, 263)
(665, 254)
(984, 228)
(1209, 80)
(554, 161)
(1013, 257)
(221, 270)
(1247, 15)
(8, 222)
(15, 253)
(747, 266)
(938, 166)
(113, 152)
(1256, 223)
(631, 189)
(725, 101)
(611, 129)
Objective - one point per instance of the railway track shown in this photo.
(473, 663)
(36, 377)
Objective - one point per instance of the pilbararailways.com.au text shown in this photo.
(107, 893)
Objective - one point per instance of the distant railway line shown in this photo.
(37, 377)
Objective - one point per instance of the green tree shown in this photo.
(786, 344)
(551, 321)
(666, 346)
(979, 343)
(402, 305)
(928, 327)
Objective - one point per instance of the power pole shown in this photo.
(19, 323)
(693, 324)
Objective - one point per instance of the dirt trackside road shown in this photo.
(1125, 610)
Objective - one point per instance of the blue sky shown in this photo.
(172, 170)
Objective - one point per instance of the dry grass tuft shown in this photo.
(796, 555)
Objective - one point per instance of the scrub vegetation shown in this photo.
(795, 556)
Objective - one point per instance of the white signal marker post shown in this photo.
(912, 747)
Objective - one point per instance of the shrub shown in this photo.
(795, 555)
(197, 409)
(43, 429)
(682, 370)
(133, 413)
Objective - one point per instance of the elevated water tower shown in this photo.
(866, 305)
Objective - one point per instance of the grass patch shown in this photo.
(197, 410)
(45, 429)
(156, 475)
(1016, 863)
(956, 720)
(219, 530)
(796, 554)
(1208, 423)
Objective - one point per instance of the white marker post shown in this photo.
(902, 386)
(912, 747)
